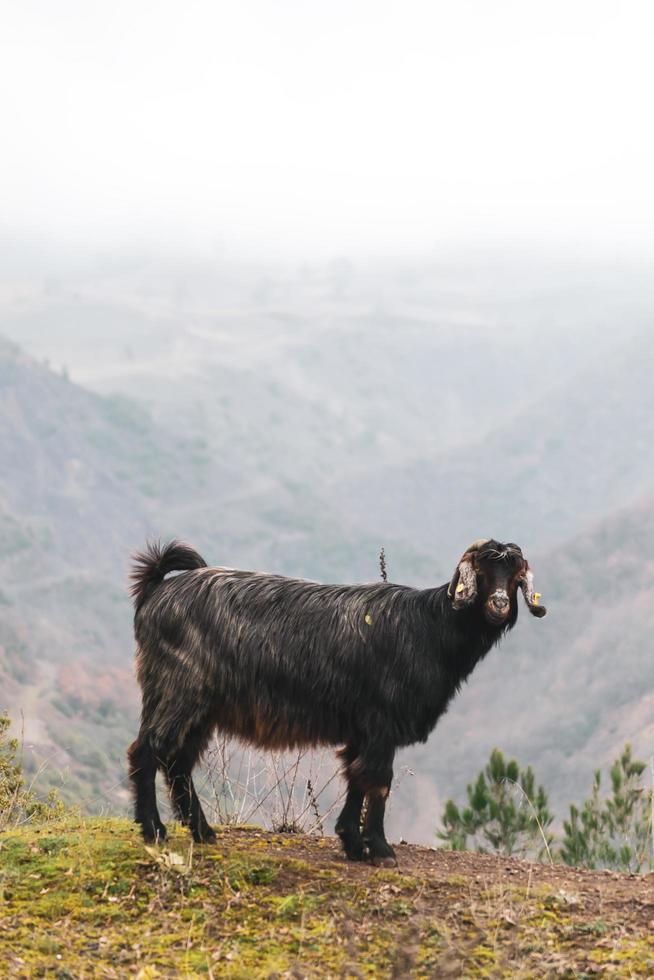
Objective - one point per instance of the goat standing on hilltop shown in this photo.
(284, 663)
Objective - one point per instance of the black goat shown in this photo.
(283, 663)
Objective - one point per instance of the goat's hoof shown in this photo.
(205, 837)
(154, 833)
(352, 842)
(384, 862)
(354, 848)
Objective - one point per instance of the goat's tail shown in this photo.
(153, 564)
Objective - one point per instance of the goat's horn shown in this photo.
(476, 545)
(462, 589)
(531, 598)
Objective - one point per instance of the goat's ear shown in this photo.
(462, 589)
(531, 598)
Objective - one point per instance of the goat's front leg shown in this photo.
(376, 776)
(381, 853)
(348, 825)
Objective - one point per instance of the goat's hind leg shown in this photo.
(185, 800)
(143, 765)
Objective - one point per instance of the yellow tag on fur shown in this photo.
(535, 598)
(460, 587)
(368, 619)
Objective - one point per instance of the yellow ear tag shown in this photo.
(460, 587)
(535, 598)
(368, 619)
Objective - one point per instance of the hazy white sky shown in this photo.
(337, 126)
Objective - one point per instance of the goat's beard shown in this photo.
(495, 618)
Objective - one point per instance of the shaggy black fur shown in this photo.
(283, 663)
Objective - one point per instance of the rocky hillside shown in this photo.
(89, 899)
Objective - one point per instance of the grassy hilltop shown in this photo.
(86, 898)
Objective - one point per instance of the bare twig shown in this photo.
(285, 792)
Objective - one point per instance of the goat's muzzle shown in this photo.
(497, 607)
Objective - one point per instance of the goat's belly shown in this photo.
(279, 728)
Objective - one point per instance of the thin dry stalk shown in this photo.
(535, 813)
(382, 566)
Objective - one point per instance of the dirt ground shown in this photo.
(542, 919)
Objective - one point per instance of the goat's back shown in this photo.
(284, 661)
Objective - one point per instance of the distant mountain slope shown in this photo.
(578, 452)
(308, 382)
(79, 468)
(80, 478)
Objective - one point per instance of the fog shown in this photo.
(300, 129)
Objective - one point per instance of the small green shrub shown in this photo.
(616, 831)
(506, 813)
(18, 802)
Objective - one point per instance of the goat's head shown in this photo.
(490, 573)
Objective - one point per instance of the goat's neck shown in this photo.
(465, 634)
